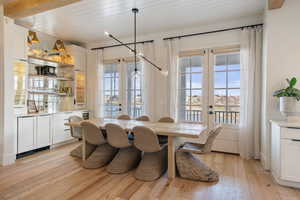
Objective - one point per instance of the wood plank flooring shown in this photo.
(53, 174)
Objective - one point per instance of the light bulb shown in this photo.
(136, 74)
(164, 73)
(106, 33)
(141, 54)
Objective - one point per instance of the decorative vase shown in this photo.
(290, 108)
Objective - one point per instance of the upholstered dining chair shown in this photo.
(143, 118)
(192, 168)
(103, 152)
(166, 120)
(128, 156)
(154, 160)
(123, 117)
(163, 138)
(76, 132)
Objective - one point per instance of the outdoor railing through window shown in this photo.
(225, 117)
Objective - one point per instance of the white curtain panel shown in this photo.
(149, 81)
(98, 77)
(173, 64)
(250, 97)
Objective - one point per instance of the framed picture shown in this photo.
(31, 107)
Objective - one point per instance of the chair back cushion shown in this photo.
(92, 133)
(75, 131)
(117, 136)
(211, 138)
(124, 117)
(143, 118)
(166, 120)
(145, 139)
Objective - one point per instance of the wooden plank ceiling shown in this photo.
(24, 8)
(275, 4)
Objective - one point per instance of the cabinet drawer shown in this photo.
(290, 133)
(290, 151)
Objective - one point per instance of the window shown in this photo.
(111, 90)
(190, 91)
(134, 90)
(227, 88)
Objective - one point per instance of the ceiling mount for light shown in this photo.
(133, 50)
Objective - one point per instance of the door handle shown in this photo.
(210, 112)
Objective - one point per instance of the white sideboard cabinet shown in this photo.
(285, 152)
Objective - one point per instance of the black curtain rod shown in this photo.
(119, 45)
(216, 31)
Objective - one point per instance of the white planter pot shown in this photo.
(289, 106)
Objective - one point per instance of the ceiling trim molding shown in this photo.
(24, 8)
(275, 4)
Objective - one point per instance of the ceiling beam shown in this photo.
(23, 8)
(275, 4)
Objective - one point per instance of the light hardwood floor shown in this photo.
(54, 174)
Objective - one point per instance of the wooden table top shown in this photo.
(188, 130)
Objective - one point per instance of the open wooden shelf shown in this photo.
(60, 64)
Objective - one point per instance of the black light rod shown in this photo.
(118, 45)
(209, 32)
(134, 51)
(154, 65)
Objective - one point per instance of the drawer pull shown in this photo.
(67, 130)
(293, 127)
(295, 140)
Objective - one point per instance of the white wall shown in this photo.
(189, 43)
(281, 61)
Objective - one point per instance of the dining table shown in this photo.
(175, 132)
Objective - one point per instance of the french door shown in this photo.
(122, 90)
(209, 92)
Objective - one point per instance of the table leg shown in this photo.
(171, 158)
(83, 145)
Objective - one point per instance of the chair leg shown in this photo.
(102, 155)
(77, 152)
(152, 166)
(192, 168)
(125, 160)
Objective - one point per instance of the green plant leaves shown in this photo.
(290, 91)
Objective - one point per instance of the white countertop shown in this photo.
(47, 113)
(286, 123)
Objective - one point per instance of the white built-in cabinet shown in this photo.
(40, 131)
(33, 132)
(79, 55)
(285, 151)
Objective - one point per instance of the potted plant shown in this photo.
(289, 98)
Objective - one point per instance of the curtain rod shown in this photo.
(216, 31)
(119, 45)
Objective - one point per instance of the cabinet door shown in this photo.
(290, 160)
(43, 131)
(58, 131)
(26, 134)
(20, 42)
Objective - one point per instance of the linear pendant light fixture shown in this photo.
(133, 50)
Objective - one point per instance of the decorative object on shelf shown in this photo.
(31, 107)
(289, 100)
(32, 38)
(45, 70)
(59, 46)
(133, 50)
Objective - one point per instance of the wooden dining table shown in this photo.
(175, 132)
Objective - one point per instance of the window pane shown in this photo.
(197, 80)
(221, 62)
(196, 97)
(196, 64)
(185, 81)
(234, 79)
(234, 97)
(220, 79)
(220, 97)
